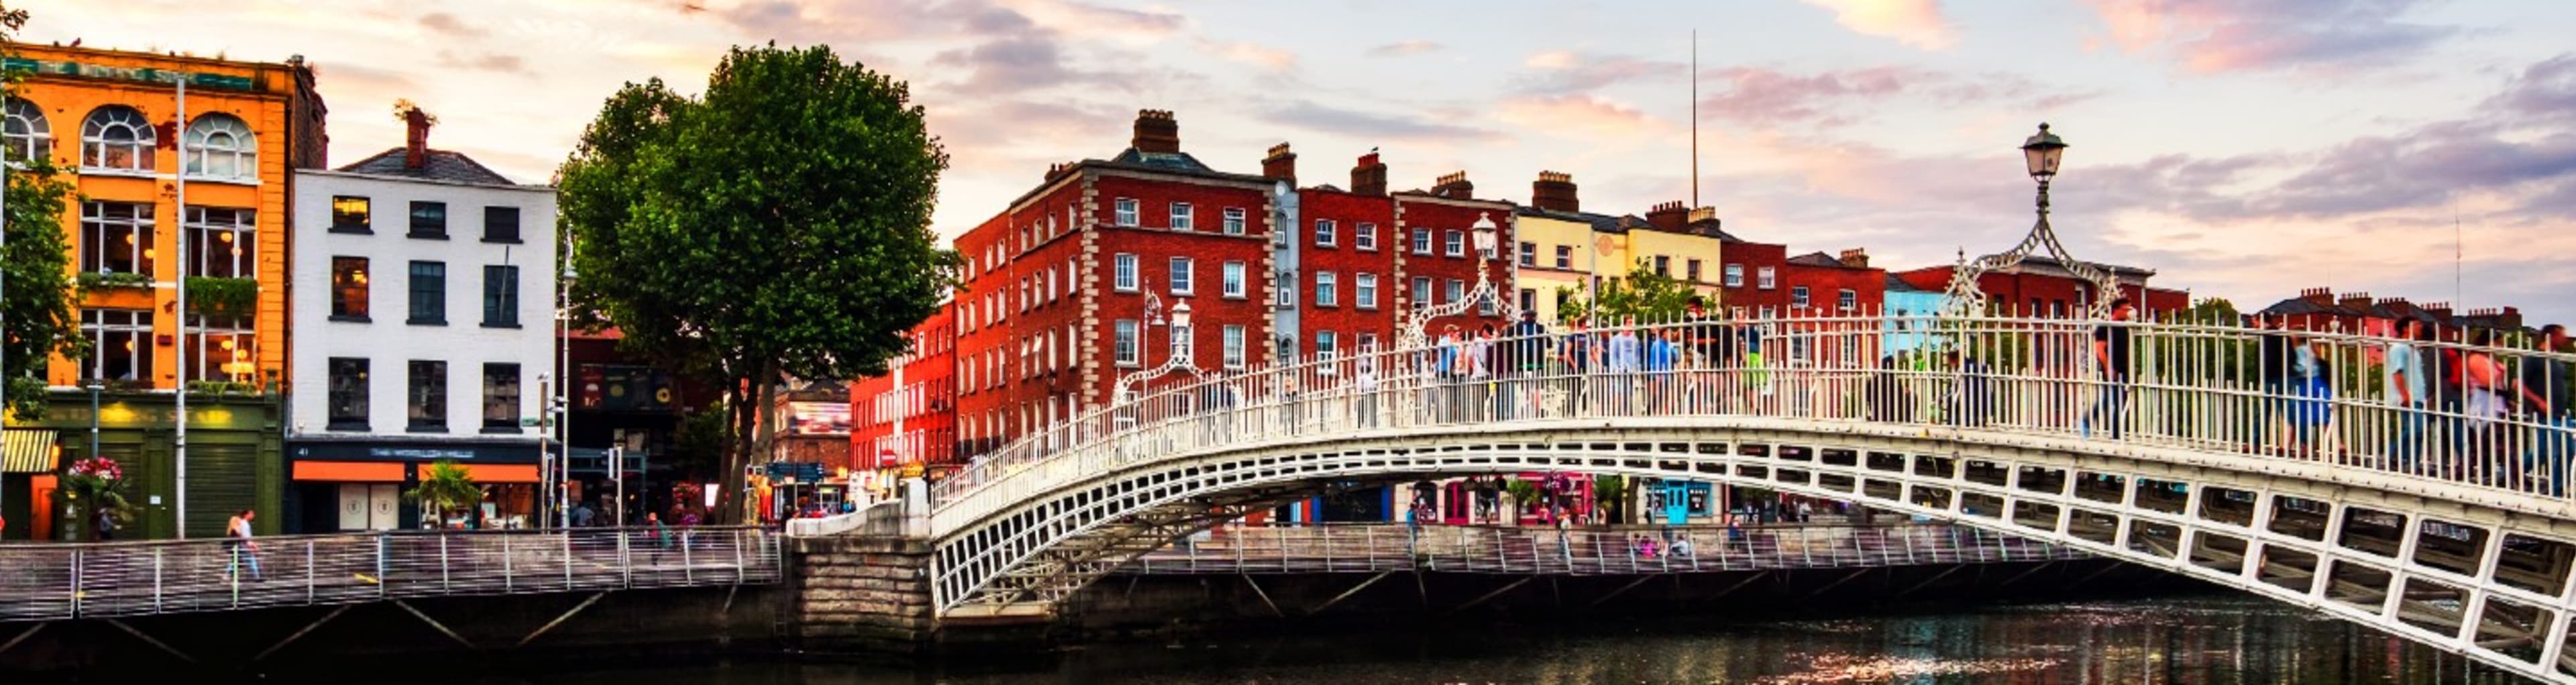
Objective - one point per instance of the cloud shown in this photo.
(1561, 72)
(1372, 125)
(449, 25)
(1767, 96)
(1405, 48)
(501, 63)
(1918, 23)
(1094, 21)
(1010, 65)
(2212, 36)
(1253, 54)
(1576, 114)
(831, 21)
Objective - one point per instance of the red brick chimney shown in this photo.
(1857, 258)
(2322, 297)
(1454, 185)
(1670, 217)
(1280, 164)
(1554, 192)
(1156, 131)
(416, 137)
(1369, 178)
(2439, 310)
(2359, 302)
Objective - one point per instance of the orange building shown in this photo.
(120, 125)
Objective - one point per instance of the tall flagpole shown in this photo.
(181, 443)
(1694, 110)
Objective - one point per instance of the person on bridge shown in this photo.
(1622, 358)
(1448, 366)
(2276, 349)
(2403, 371)
(2111, 354)
(1577, 356)
(2550, 377)
(1663, 350)
(1525, 360)
(1972, 395)
(239, 547)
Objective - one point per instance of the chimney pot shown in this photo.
(1555, 192)
(1156, 131)
(1454, 185)
(416, 125)
(1369, 177)
(1857, 258)
(1280, 164)
(1668, 216)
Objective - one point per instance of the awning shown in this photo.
(350, 471)
(29, 450)
(502, 473)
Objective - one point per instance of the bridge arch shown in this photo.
(2489, 580)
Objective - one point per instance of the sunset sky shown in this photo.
(2242, 148)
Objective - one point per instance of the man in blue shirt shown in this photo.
(1623, 362)
(1660, 353)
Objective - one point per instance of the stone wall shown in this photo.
(860, 594)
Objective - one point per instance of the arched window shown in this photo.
(27, 135)
(117, 137)
(220, 146)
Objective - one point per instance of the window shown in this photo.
(27, 135)
(120, 344)
(1326, 343)
(1564, 256)
(349, 288)
(221, 147)
(221, 243)
(1453, 244)
(1327, 289)
(1126, 343)
(1233, 347)
(428, 293)
(501, 398)
(350, 215)
(117, 138)
(221, 348)
(1124, 278)
(501, 296)
(1690, 270)
(1770, 278)
(1847, 300)
(1456, 290)
(1529, 299)
(1529, 253)
(1421, 291)
(1324, 233)
(1234, 221)
(1422, 241)
(1184, 281)
(1364, 236)
(428, 396)
(1233, 274)
(1734, 275)
(500, 224)
(348, 394)
(1368, 343)
(1364, 290)
(1181, 216)
(1287, 283)
(1664, 266)
(1798, 297)
(428, 219)
(116, 238)
(1126, 211)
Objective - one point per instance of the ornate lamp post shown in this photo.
(1486, 234)
(1178, 359)
(2041, 154)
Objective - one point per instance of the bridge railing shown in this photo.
(2490, 417)
(1368, 548)
(62, 581)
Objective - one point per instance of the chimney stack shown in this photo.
(1454, 185)
(1156, 131)
(2439, 310)
(1857, 258)
(1369, 178)
(1280, 164)
(1554, 192)
(416, 136)
(2322, 297)
(2359, 302)
(1669, 217)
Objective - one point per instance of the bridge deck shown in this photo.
(65, 581)
(1545, 551)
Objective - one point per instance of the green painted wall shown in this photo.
(236, 456)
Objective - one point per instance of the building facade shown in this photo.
(182, 167)
(2043, 287)
(428, 318)
(909, 415)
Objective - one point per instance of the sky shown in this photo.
(2245, 149)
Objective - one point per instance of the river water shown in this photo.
(2194, 641)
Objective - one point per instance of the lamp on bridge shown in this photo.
(1486, 233)
(2041, 152)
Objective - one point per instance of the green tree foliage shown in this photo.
(1643, 293)
(447, 488)
(777, 225)
(2212, 311)
(38, 296)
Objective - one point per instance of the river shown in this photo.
(2196, 641)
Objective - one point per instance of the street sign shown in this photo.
(527, 422)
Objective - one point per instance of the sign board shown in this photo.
(527, 422)
(818, 418)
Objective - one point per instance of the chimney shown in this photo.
(1857, 258)
(416, 137)
(1156, 132)
(1669, 217)
(1280, 164)
(1554, 192)
(1369, 178)
(2359, 302)
(1454, 185)
(1703, 222)
(2439, 310)
(2321, 297)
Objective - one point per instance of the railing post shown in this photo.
(311, 588)
(625, 558)
(737, 554)
(76, 582)
(383, 579)
(442, 562)
(567, 559)
(688, 568)
(509, 569)
(156, 579)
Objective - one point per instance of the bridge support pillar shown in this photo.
(862, 593)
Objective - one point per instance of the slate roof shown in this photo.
(1603, 223)
(1898, 285)
(453, 167)
(1820, 259)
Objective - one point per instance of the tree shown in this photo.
(36, 295)
(776, 226)
(2213, 311)
(447, 487)
(1642, 293)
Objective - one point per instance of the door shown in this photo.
(384, 505)
(353, 506)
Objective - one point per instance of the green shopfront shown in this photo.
(234, 462)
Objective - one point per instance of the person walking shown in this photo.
(2549, 374)
(2403, 377)
(1575, 355)
(1663, 349)
(239, 546)
(2276, 349)
(2111, 355)
(1525, 360)
(1623, 361)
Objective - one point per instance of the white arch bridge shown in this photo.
(2445, 522)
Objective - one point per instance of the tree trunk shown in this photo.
(736, 450)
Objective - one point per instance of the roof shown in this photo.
(443, 165)
(1603, 223)
(1821, 259)
(1898, 285)
(2115, 269)
(1167, 161)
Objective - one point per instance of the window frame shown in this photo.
(242, 153)
(517, 392)
(1232, 347)
(1769, 277)
(1734, 275)
(491, 218)
(133, 329)
(140, 149)
(1364, 290)
(1184, 217)
(1327, 233)
(1565, 256)
(425, 405)
(1122, 272)
(27, 132)
(343, 284)
(505, 300)
(428, 307)
(1421, 240)
(140, 223)
(340, 387)
(1234, 280)
(1123, 212)
(1184, 276)
(1846, 300)
(1529, 254)
(1125, 344)
(206, 340)
(1364, 236)
(1453, 243)
(1328, 287)
(241, 232)
(1234, 221)
(1800, 297)
(419, 225)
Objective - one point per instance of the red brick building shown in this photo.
(1825, 285)
(1440, 262)
(1358, 260)
(2043, 287)
(909, 415)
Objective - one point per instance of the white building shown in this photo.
(422, 321)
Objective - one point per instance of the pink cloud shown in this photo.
(1918, 23)
(2214, 36)
(1584, 114)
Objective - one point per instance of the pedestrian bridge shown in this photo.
(2446, 523)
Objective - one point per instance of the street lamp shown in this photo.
(1486, 233)
(93, 386)
(2041, 153)
(1131, 385)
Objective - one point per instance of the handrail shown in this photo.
(2203, 387)
(40, 582)
(1372, 548)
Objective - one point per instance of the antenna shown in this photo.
(1694, 110)
(2458, 250)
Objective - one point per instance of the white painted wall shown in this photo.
(387, 340)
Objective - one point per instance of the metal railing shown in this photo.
(41, 582)
(2490, 418)
(1366, 548)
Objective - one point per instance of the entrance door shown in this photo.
(384, 503)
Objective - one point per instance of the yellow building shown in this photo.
(119, 123)
(1563, 249)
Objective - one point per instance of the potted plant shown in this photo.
(446, 487)
(94, 490)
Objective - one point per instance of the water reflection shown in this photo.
(2203, 641)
